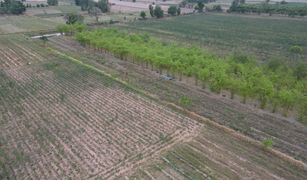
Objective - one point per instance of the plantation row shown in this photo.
(285, 9)
(66, 127)
(274, 84)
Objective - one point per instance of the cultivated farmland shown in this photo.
(17, 24)
(62, 120)
(263, 37)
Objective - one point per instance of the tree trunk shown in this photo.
(262, 104)
(232, 93)
(203, 85)
(274, 108)
(244, 100)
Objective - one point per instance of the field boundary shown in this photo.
(188, 113)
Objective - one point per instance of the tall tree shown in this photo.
(200, 7)
(158, 12)
(94, 11)
(143, 15)
(73, 18)
(172, 10)
(103, 6)
(52, 2)
(151, 10)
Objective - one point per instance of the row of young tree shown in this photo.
(265, 7)
(12, 7)
(274, 84)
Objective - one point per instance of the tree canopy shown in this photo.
(239, 74)
(12, 7)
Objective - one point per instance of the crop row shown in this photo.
(70, 129)
(14, 55)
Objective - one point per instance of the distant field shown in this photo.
(264, 37)
(259, 1)
(13, 24)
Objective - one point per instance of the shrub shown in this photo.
(143, 15)
(185, 101)
(52, 2)
(70, 29)
(267, 143)
(296, 49)
(172, 10)
(73, 18)
(178, 11)
(217, 8)
(158, 12)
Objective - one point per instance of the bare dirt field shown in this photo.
(138, 6)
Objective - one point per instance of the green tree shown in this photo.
(178, 11)
(217, 8)
(143, 15)
(103, 6)
(73, 18)
(44, 39)
(296, 49)
(172, 10)
(151, 10)
(200, 7)
(94, 11)
(300, 71)
(12, 7)
(303, 109)
(70, 29)
(158, 12)
(52, 2)
(287, 100)
(264, 90)
(204, 76)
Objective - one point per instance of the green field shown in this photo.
(264, 37)
(14, 24)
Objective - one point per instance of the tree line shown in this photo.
(265, 7)
(87, 5)
(280, 86)
(12, 7)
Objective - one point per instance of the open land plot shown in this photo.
(289, 136)
(228, 2)
(212, 155)
(263, 37)
(14, 24)
(60, 9)
(138, 6)
(60, 119)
